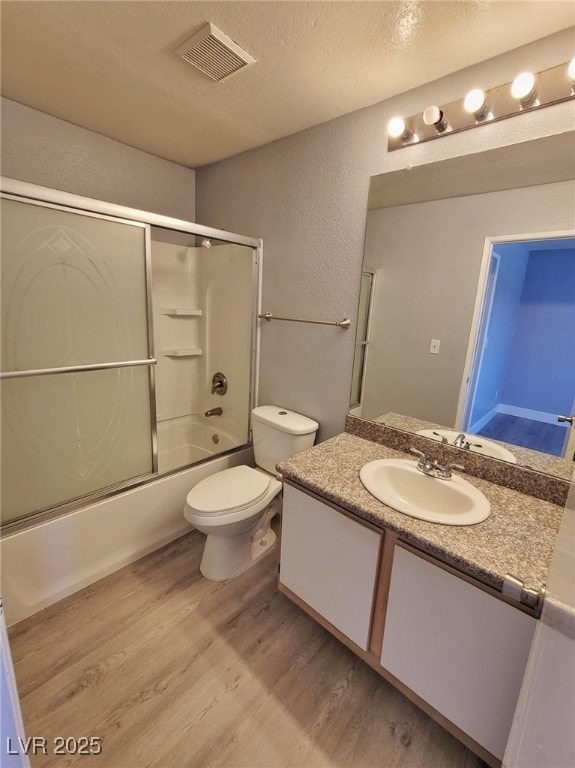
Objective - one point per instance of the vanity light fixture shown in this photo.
(527, 92)
(523, 89)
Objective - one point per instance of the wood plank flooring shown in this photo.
(171, 670)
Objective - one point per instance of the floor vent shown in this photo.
(213, 53)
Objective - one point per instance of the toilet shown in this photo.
(235, 507)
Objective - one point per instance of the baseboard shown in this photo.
(529, 413)
(480, 423)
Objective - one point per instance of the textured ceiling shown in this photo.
(110, 66)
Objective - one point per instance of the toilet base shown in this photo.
(225, 557)
(261, 546)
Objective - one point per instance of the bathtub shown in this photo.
(189, 439)
(47, 562)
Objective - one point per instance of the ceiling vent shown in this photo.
(213, 53)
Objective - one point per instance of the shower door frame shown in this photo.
(25, 192)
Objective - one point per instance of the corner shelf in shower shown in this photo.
(181, 312)
(184, 352)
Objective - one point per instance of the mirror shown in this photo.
(433, 233)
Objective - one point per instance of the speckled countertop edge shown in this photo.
(519, 478)
(517, 538)
(526, 458)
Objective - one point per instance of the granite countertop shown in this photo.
(517, 538)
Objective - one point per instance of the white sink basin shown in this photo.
(477, 444)
(400, 485)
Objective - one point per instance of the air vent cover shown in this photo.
(213, 53)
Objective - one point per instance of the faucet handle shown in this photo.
(423, 462)
(445, 472)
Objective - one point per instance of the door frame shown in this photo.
(355, 410)
(569, 447)
(474, 346)
(482, 328)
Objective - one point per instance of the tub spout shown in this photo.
(214, 412)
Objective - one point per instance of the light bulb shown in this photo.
(474, 102)
(523, 88)
(435, 117)
(571, 69)
(396, 128)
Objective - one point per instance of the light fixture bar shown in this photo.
(551, 86)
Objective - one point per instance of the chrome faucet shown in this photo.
(459, 440)
(433, 468)
(214, 412)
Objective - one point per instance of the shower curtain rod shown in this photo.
(345, 323)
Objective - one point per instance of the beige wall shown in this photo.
(47, 151)
(427, 258)
(306, 195)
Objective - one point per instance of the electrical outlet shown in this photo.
(434, 346)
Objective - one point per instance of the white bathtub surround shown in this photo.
(43, 564)
(202, 326)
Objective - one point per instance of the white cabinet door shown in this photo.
(330, 562)
(462, 650)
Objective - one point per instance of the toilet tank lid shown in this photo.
(284, 420)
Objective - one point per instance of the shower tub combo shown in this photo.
(115, 323)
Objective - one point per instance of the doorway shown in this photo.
(521, 371)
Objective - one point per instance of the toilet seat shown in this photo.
(228, 491)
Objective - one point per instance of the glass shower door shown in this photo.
(204, 310)
(77, 383)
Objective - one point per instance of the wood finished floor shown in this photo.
(171, 670)
(528, 433)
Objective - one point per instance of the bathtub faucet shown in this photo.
(219, 384)
(214, 412)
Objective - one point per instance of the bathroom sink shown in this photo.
(400, 485)
(477, 444)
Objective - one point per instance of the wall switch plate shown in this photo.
(434, 346)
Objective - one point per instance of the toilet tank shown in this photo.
(279, 434)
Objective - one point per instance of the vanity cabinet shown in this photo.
(453, 647)
(330, 562)
(460, 649)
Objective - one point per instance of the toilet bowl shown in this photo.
(234, 507)
(230, 507)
